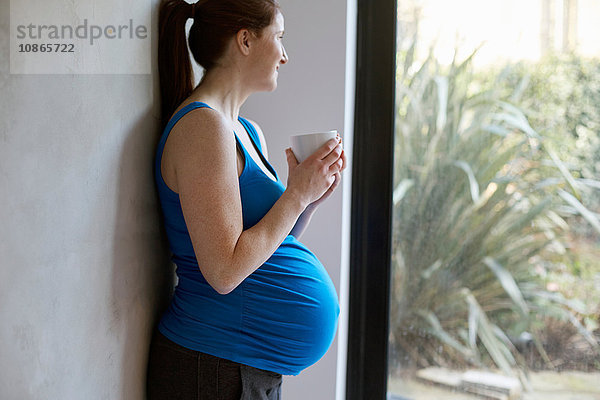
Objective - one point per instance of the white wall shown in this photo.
(83, 263)
(312, 95)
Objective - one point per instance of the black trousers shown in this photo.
(178, 373)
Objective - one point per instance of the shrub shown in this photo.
(477, 206)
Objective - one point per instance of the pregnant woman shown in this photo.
(252, 303)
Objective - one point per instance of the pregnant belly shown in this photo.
(290, 307)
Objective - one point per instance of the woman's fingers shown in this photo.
(331, 188)
(334, 155)
(336, 182)
(337, 166)
(291, 158)
(317, 176)
(344, 160)
(326, 149)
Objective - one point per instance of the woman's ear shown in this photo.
(243, 39)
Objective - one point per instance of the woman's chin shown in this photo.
(269, 87)
(266, 85)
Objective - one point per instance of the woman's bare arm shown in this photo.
(203, 152)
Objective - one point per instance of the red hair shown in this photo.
(215, 22)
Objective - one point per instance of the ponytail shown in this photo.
(215, 22)
(174, 65)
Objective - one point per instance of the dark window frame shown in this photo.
(371, 221)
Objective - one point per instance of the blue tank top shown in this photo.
(282, 317)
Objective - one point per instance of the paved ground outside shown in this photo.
(570, 385)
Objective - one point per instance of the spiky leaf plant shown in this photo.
(470, 215)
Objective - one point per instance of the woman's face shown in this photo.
(269, 54)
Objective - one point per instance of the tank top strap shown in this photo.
(184, 110)
(174, 119)
(251, 131)
(254, 139)
(162, 185)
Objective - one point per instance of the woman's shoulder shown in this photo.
(200, 130)
(197, 105)
(198, 120)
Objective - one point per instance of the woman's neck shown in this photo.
(223, 90)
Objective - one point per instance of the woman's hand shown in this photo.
(338, 177)
(315, 179)
(306, 215)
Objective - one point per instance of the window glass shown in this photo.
(496, 221)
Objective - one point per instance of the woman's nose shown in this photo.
(284, 57)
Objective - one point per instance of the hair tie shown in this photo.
(193, 9)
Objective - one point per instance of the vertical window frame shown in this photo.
(372, 188)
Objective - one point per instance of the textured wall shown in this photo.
(82, 264)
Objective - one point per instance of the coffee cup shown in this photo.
(306, 144)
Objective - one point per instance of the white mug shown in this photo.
(306, 144)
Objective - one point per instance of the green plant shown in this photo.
(470, 221)
(560, 95)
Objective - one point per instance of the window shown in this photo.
(476, 200)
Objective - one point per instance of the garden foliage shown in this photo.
(482, 201)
